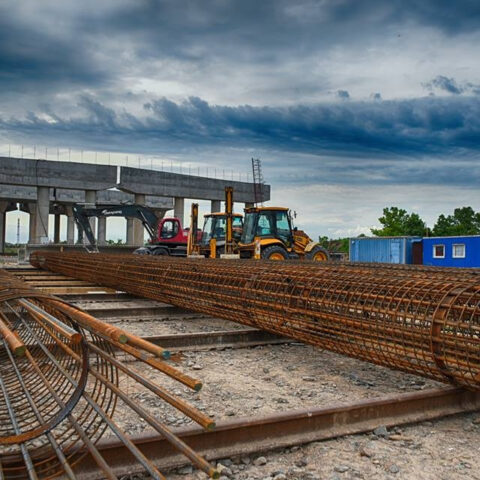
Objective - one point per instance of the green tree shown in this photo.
(398, 222)
(334, 245)
(324, 241)
(464, 221)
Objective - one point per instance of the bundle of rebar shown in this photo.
(417, 320)
(59, 387)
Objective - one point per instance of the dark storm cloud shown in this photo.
(35, 57)
(450, 85)
(45, 48)
(444, 83)
(385, 133)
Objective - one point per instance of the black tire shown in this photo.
(318, 254)
(274, 251)
(142, 251)
(160, 251)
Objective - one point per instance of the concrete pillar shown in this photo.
(102, 231)
(42, 209)
(91, 197)
(56, 229)
(3, 217)
(32, 209)
(138, 230)
(215, 206)
(70, 230)
(130, 231)
(179, 208)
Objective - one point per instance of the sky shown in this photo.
(352, 105)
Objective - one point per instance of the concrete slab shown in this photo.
(167, 184)
(43, 173)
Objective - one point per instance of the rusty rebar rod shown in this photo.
(59, 386)
(419, 320)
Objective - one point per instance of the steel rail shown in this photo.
(419, 320)
(59, 380)
(218, 339)
(244, 436)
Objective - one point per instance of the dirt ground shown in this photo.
(261, 380)
(447, 449)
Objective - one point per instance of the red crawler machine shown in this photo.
(167, 236)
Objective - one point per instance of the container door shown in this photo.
(395, 251)
(417, 253)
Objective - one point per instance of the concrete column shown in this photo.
(102, 231)
(70, 230)
(3, 216)
(138, 230)
(215, 206)
(32, 209)
(179, 208)
(42, 209)
(91, 197)
(130, 231)
(56, 229)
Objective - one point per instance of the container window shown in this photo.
(439, 251)
(458, 250)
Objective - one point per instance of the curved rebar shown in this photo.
(59, 386)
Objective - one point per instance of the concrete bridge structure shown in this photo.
(41, 187)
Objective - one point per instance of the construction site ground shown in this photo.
(261, 380)
(256, 381)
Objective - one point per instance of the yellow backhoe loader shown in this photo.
(266, 232)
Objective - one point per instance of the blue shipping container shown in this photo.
(382, 249)
(462, 251)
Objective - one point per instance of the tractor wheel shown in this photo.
(274, 252)
(318, 254)
(160, 251)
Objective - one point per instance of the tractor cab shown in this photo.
(214, 228)
(267, 222)
(268, 233)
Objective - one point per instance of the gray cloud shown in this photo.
(359, 134)
(197, 79)
(52, 45)
(444, 83)
(343, 94)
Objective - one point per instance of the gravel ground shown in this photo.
(177, 323)
(261, 380)
(446, 449)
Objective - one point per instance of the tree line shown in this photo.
(397, 222)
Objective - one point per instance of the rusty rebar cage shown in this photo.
(420, 320)
(59, 386)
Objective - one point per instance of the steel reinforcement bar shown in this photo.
(59, 387)
(425, 324)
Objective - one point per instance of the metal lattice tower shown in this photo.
(258, 181)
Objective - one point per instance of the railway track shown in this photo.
(244, 436)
